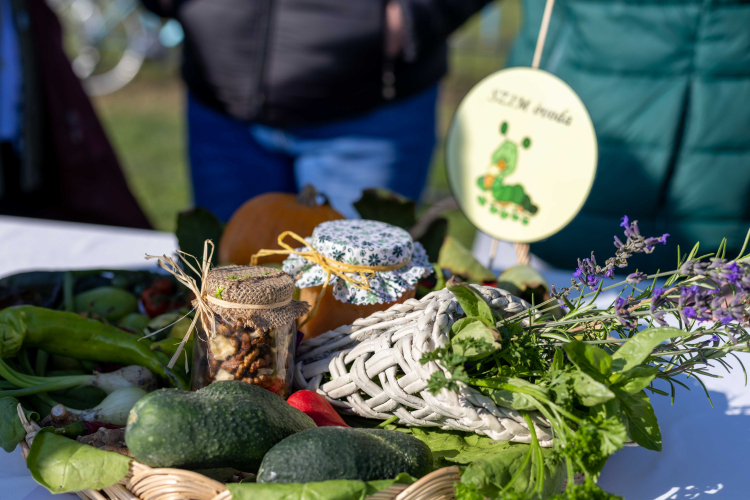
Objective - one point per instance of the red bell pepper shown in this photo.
(317, 408)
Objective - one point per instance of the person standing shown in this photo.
(667, 86)
(55, 159)
(337, 93)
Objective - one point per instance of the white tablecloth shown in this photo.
(705, 449)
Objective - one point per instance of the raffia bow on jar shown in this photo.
(247, 316)
(351, 269)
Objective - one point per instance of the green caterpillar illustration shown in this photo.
(507, 200)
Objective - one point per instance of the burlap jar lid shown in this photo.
(253, 286)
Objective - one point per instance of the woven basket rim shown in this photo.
(160, 483)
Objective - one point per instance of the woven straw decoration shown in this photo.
(386, 347)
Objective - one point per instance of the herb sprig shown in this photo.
(587, 371)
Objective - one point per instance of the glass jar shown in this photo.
(387, 256)
(238, 352)
(253, 331)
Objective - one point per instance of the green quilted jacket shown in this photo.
(667, 84)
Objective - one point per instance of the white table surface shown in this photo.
(705, 450)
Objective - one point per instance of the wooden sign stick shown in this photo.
(523, 254)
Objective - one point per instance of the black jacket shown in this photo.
(290, 62)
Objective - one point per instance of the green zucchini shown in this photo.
(227, 424)
(327, 453)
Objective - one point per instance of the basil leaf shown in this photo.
(636, 379)
(491, 473)
(637, 350)
(323, 490)
(589, 359)
(461, 324)
(473, 303)
(457, 447)
(641, 420)
(11, 430)
(475, 341)
(590, 391)
(63, 465)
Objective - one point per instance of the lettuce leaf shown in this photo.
(11, 430)
(324, 490)
(63, 465)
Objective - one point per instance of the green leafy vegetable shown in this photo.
(525, 282)
(63, 465)
(508, 466)
(457, 259)
(11, 430)
(637, 350)
(642, 425)
(325, 490)
(473, 304)
(589, 359)
(586, 491)
(590, 391)
(474, 340)
(194, 227)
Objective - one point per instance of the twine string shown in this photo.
(333, 267)
(204, 312)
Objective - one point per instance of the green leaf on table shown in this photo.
(639, 347)
(323, 490)
(641, 420)
(63, 465)
(11, 430)
(589, 390)
(525, 282)
(196, 226)
(493, 472)
(474, 340)
(384, 205)
(589, 359)
(473, 303)
(458, 259)
(457, 447)
(634, 380)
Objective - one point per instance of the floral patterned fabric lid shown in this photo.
(367, 243)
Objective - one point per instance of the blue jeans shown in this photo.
(232, 161)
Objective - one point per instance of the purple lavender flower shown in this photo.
(657, 301)
(623, 314)
(635, 278)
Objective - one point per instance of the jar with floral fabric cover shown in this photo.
(353, 268)
(253, 332)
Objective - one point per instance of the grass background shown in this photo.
(146, 124)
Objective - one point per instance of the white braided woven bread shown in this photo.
(375, 371)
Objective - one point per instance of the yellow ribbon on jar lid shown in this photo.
(329, 265)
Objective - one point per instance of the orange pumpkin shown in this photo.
(332, 313)
(259, 221)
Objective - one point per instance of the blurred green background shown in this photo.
(145, 119)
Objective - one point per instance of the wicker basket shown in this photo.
(145, 483)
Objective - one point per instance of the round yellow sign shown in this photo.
(521, 155)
